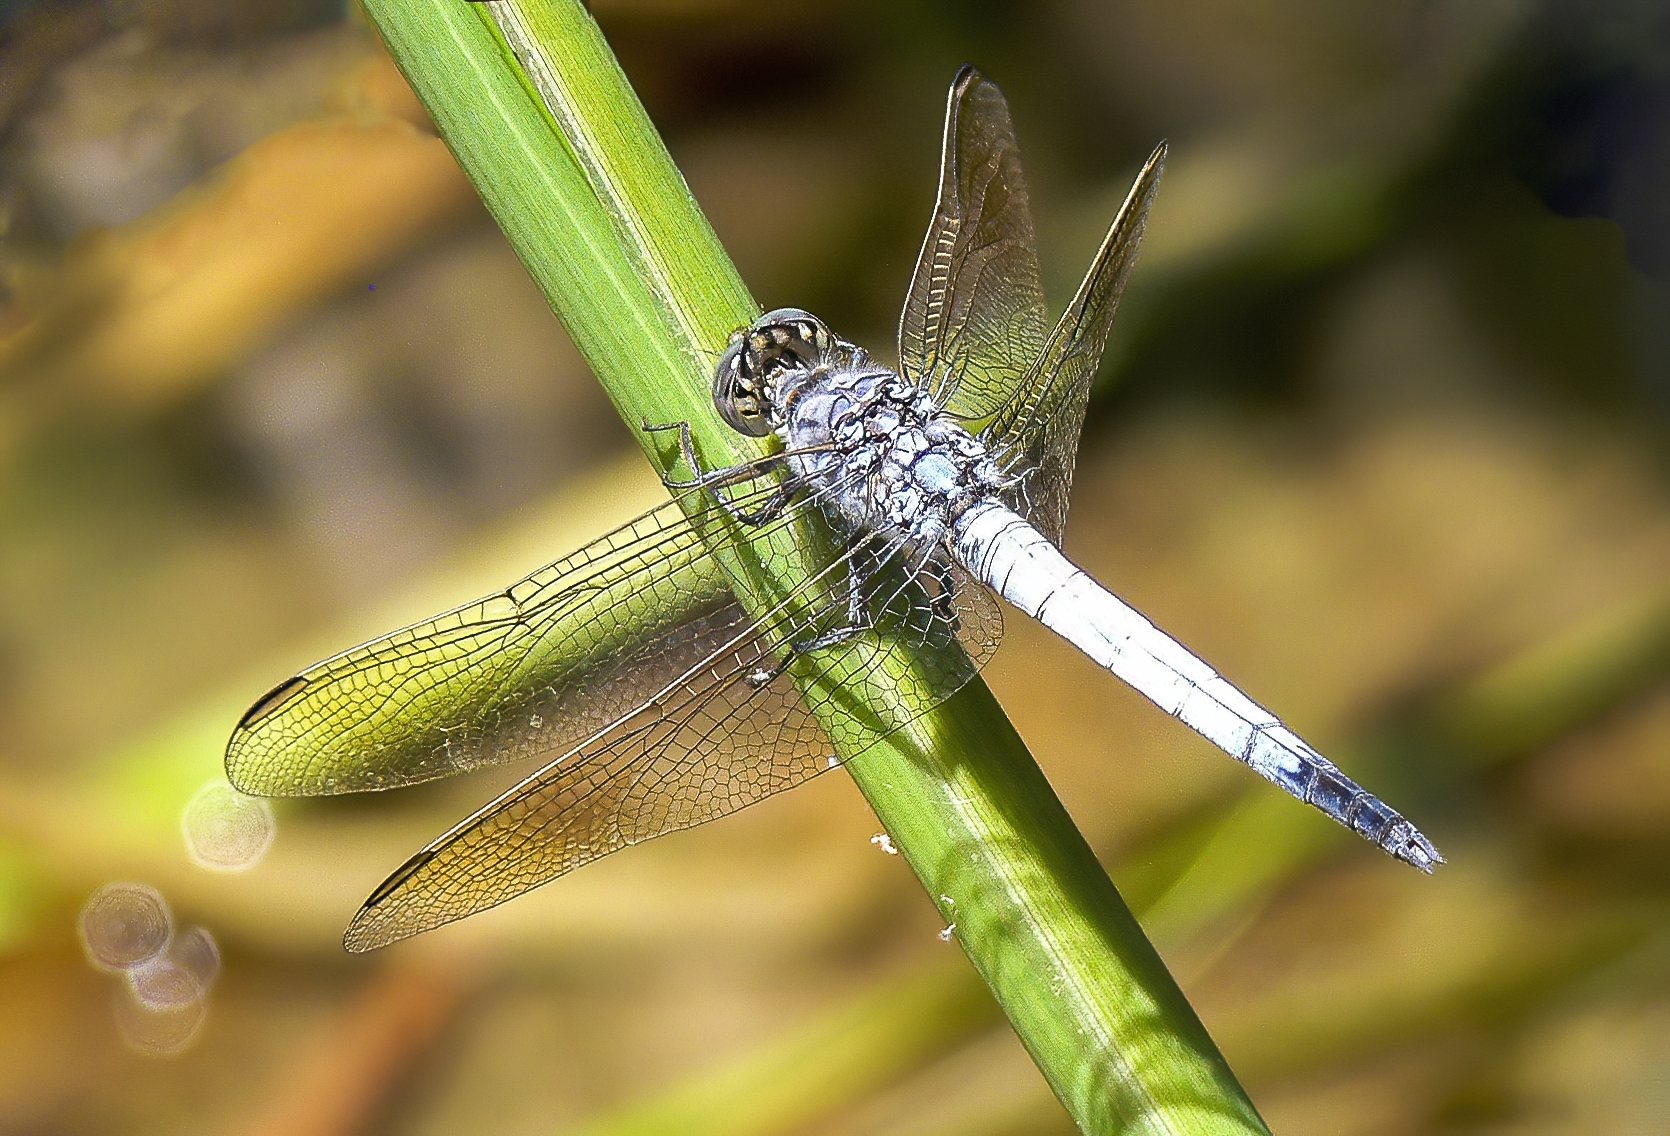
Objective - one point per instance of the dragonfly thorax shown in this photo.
(875, 448)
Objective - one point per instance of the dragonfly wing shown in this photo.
(974, 317)
(730, 731)
(1035, 434)
(711, 743)
(528, 671)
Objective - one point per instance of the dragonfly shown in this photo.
(693, 661)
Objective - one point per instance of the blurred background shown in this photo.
(1382, 435)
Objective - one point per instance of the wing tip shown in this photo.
(271, 701)
(240, 769)
(1148, 178)
(249, 773)
(398, 878)
(238, 762)
(363, 936)
(370, 927)
(968, 80)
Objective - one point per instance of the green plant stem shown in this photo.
(532, 102)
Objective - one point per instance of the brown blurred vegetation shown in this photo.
(1381, 437)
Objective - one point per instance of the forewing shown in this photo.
(974, 317)
(528, 671)
(1034, 436)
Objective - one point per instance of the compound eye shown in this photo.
(736, 395)
(789, 337)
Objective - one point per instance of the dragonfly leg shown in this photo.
(713, 481)
(770, 511)
(858, 621)
(831, 638)
(687, 446)
(858, 617)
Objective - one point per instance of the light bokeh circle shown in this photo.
(124, 925)
(159, 1031)
(226, 831)
(163, 984)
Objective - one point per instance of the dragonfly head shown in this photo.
(747, 380)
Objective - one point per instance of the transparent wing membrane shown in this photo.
(973, 326)
(731, 732)
(526, 671)
(974, 317)
(1035, 433)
